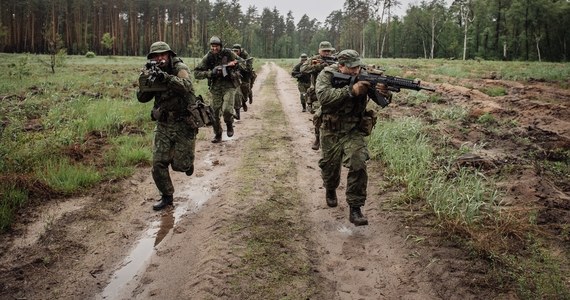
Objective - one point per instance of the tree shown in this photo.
(107, 42)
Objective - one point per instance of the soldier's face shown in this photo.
(161, 58)
(349, 71)
(215, 48)
(237, 52)
(325, 53)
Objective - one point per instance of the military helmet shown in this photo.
(236, 47)
(159, 47)
(304, 55)
(215, 41)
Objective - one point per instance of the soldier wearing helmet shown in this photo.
(166, 79)
(303, 80)
(247, 77)
(346, 122)
(313, 66)
(221, 67)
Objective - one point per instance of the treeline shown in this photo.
(485, 29)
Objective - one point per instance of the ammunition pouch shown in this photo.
(331, 122)
(311, 95)
(318, 119)
(201, 114)
(148, 84)
(367, 122)
(155, 113)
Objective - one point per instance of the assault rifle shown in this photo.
(154, 71)
(222, 69)
(149, 75)
(329, 60)
(393, 83)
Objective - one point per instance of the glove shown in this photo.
(383, 90)
(360, 88)
(160, 75)
(216, 72)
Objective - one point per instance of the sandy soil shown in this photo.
(111, 245)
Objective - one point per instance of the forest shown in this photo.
(527, 30)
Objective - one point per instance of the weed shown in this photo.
(454, 113)
(487, 119)
(495, 91)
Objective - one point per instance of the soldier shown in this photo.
(221, 66)
(313, 67)
(174, 141)
(303, 81)
(345, 124)
(244, 92)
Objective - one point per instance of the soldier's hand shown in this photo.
(160, 75)
(216, 71)
(360, 88)
(383, 90)
(315, 62)
(232, 63)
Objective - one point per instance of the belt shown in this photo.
(340, 118)
(173, 116)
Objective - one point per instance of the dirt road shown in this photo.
(111, 245)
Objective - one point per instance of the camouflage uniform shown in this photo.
(174, 141)
(342, 137)
(223, 89)
(303, 81)
(244, 92)
(313, 66)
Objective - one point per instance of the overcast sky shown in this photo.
(319, 9)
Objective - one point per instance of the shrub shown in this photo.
(90, 54)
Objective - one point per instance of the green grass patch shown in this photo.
(453, 113)
(63, 176)
(11, 198)
(410, 159)
(495, 91)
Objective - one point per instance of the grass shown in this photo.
(66, 177)
(407, 151)
(467, 205)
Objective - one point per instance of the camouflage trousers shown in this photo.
(174, 144)
(223, 103)
(244, 92)
(350, 150)
(303, 92)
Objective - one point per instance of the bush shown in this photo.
(90, 54)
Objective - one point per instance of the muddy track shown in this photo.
(110, 245)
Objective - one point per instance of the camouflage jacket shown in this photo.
(338, 100)
(313, 69)
(302, 78)
(180, 92)
(211, 60)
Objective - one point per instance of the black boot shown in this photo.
(230, 131)
(356, 217)
(217, 138)
(304, 107)
(332, 200)
(317, 143)
(163, 202)
(244, 105)
(250, 97)
(190, 171)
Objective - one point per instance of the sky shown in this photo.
(319, 9)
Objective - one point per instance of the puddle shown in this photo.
(137, 259)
